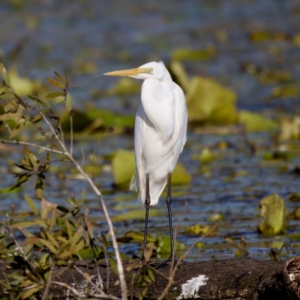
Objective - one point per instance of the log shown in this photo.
(237, 279)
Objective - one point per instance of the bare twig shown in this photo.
(32, 145)
(61, 133)
(74, 291)
(99, 194)
(83, 157)
(71, 133)
(94, 254)
(48, 283)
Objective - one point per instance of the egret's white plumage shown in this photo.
(160, 132)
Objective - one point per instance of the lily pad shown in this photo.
(164, 245)
(125, 87)
(211, 103)
(255, 122)
(135, 236)
(206, 156)
(290, 128)
(94, 118)
(123, 165)
(22, 86)
(135, 215)
(191, 54)
(273, 211)
(208, 101)
(180, 175)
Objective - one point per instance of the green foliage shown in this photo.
(273, 211)
(31, 166)
(256, 123)
(123, 166)
(210, 102)
(180, 175)
(125, 87)
(59, 237)
(189, 54)
(198, 229)
(206, 156)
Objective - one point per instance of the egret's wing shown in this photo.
(138, 182)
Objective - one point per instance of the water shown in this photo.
(92, 37)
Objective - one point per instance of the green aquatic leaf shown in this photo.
(275, 76)
(210, 102)
(125, 87)
(295, 215)
(294, 197)
(206, 156)
(273, 211)
(22, 86)
(255, 122)
(290, 128)
(135, 236)
(123, 166)
(93, 119)
(200, 229)
(191, 54)
(179, 74)
(164, 244)
(135, 215)
(180, 175)
(286, 91)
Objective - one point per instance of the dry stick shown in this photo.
(32, 145)
(107, 262)
(93, 250)
(48, 284)
(74, 291)
(71, 133)
(98, 193)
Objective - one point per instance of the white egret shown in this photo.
(159, 135)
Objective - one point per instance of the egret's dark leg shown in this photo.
(147, 205)
(169, 201)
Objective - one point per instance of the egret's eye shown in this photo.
(149, 70)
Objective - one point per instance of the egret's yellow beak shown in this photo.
(130, 72)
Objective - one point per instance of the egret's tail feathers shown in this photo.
(133, 186)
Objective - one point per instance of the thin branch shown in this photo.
(32, 145)
(61, 133)
(71, 133)
(83, 157)
(48, 283)
(99, 194)
(74, 291)
(94, 253)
